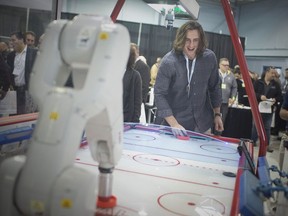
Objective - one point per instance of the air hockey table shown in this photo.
(159, 174)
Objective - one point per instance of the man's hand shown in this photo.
(263, 98)
(218, 123)
(179, 131)
(231, 101)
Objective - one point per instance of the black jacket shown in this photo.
(242, 95)
(144, 71)
(4, 75)
(274, 90)
(132, 96)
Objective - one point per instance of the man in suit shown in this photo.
(30, 39)
(21, 61)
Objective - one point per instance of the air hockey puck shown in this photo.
(229, 174)
(182, 137)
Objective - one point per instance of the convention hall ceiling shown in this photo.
(238, 2)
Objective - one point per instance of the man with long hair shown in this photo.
(187, 88)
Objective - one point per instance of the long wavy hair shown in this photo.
(180, 39)
(132, 56)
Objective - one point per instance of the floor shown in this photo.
(270, 206)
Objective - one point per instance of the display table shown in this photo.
(238, 123)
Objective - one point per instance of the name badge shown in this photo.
(223, 86)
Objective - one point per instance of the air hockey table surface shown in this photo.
(159, 174)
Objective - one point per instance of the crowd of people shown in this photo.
(17, 58)
(193, 91)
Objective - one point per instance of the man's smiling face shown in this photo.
(191, 44)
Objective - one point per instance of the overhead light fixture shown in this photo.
(178, 11)
(192, 7)
(185, 9)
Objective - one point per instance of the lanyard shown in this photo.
(189, 73)
(223, 75)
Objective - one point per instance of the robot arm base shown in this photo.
(106, 202)
(105, 197)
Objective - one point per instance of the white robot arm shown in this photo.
(46, 182)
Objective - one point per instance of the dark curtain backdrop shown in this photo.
(223, 47)
(133, 29)
(155, 41)
(15, 19)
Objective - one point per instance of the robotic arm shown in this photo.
(46, 182)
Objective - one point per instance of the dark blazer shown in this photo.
(242, 95)
(4, 75)
(132, 95)
(144, 71)
(29, 61)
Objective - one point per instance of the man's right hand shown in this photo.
(177, 129)
(179, 133)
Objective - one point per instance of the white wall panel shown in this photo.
(265, 26)
(132, 11)
(34, 4)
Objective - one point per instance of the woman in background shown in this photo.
(132, 90)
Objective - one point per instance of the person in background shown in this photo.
(4, 78)
(132, 90)
(284, 106)
(278, 124)
(254, 76)
(187, 89)
(21, 61)
(144, 71)
(266, 89)
(10, 46)
(242, 95)
(154, 71)
(283, 114)
(4, 50)
(228, 86)
(30, 39)
(284, 110)
(277, 77)
(284, 85)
